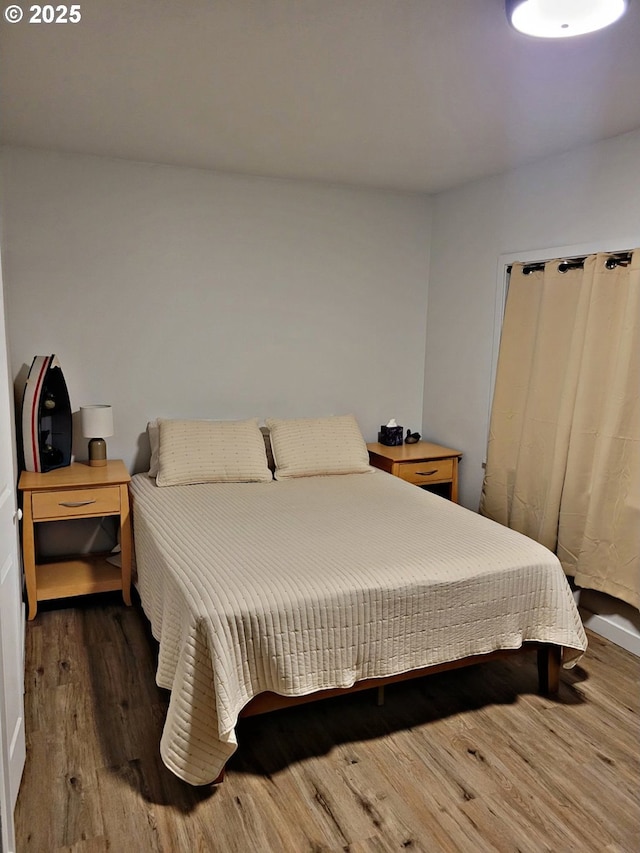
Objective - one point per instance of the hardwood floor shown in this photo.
(470, 760)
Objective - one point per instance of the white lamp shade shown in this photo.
(97, 421)
(563, 18)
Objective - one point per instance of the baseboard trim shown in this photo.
(619, 634)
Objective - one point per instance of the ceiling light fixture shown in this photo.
(563, 18)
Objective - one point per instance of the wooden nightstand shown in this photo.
(76, 491)
(424, 464)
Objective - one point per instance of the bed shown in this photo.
(266, 591)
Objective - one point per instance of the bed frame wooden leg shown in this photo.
(549, 660)
(220, 778)
(380, 696)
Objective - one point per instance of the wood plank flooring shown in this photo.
(472, 760)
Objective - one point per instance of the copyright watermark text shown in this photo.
(47, 14)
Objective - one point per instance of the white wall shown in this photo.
(179, 292)
(588, 196)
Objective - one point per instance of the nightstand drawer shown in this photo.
(431, 471)
(75, 502)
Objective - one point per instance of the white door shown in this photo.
(12, 742)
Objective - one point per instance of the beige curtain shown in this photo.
(563, 461)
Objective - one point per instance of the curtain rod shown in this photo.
(614, 260)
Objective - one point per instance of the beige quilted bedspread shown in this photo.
(318, 582)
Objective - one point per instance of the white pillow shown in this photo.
(153, 433)
(309, 447)
(211, 452)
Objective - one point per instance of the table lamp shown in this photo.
(97, 423)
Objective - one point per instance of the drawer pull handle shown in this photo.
(427, 473)
(73, 504)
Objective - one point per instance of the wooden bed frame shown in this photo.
(549, 662)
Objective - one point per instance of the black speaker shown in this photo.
(46, 417)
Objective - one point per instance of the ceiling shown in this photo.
(418, 95)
